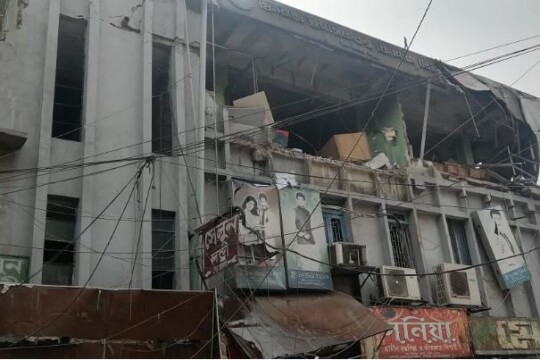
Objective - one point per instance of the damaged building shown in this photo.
(343, 196)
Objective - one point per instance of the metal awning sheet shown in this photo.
(531, 111)
(285, 325)
(467, 79)
(479, 83)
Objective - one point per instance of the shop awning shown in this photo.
(286, 325)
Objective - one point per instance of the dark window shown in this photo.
(69, 86)
(163, 239)
(3, 14)
(334, 225)
(458, 240)
(58, 253)
(161, 100)
(401, 240)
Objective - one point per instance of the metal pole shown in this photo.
(426, 116)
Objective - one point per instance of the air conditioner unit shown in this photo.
(347, 255)
(398, 283)
(457, 287)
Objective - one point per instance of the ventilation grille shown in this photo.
(397, 283)
(459, 284)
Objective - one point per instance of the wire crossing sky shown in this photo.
(453, 28)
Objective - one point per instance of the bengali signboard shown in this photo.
(304, 236)
(505, 336)
(13, 269)
(508, 262)
(422, 333)
(261, 262)
(220, 245)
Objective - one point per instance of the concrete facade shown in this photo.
(117, 124)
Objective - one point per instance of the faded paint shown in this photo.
(505, 336)
(13, 269)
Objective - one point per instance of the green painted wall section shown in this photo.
(388, 116)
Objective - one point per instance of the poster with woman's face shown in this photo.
(304, 235)
(500, 245)
(260, 253)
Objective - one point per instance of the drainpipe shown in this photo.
(202, 105)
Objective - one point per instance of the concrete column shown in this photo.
(82, 257)
(388, 252)
(44, 151)
(419, 256)
(474, 248)
(179, 104)
(145, 241)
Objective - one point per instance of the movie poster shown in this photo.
(304, 236)
(501, 247)
(260, 243)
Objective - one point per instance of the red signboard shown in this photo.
(424, 333)
(220, 245)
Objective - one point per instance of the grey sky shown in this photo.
(452, 28)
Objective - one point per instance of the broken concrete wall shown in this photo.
(387, 133)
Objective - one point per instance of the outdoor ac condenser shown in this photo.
(347, 255)
(397, 283)
(457, 287)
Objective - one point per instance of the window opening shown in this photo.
(163, 240)
(69, 84)
(59, 249)
(458, 240)
(401, 240)
(334, 225)
(161, 100)
(3, 14)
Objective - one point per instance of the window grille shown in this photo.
(458, 240)
(400, 240)
(163, 240)
(59, 249)
(335, 227)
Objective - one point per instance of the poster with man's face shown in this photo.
(304, 236)
(501, 246)
(260, 249)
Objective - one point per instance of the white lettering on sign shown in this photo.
(219, 235)
(412, 327)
